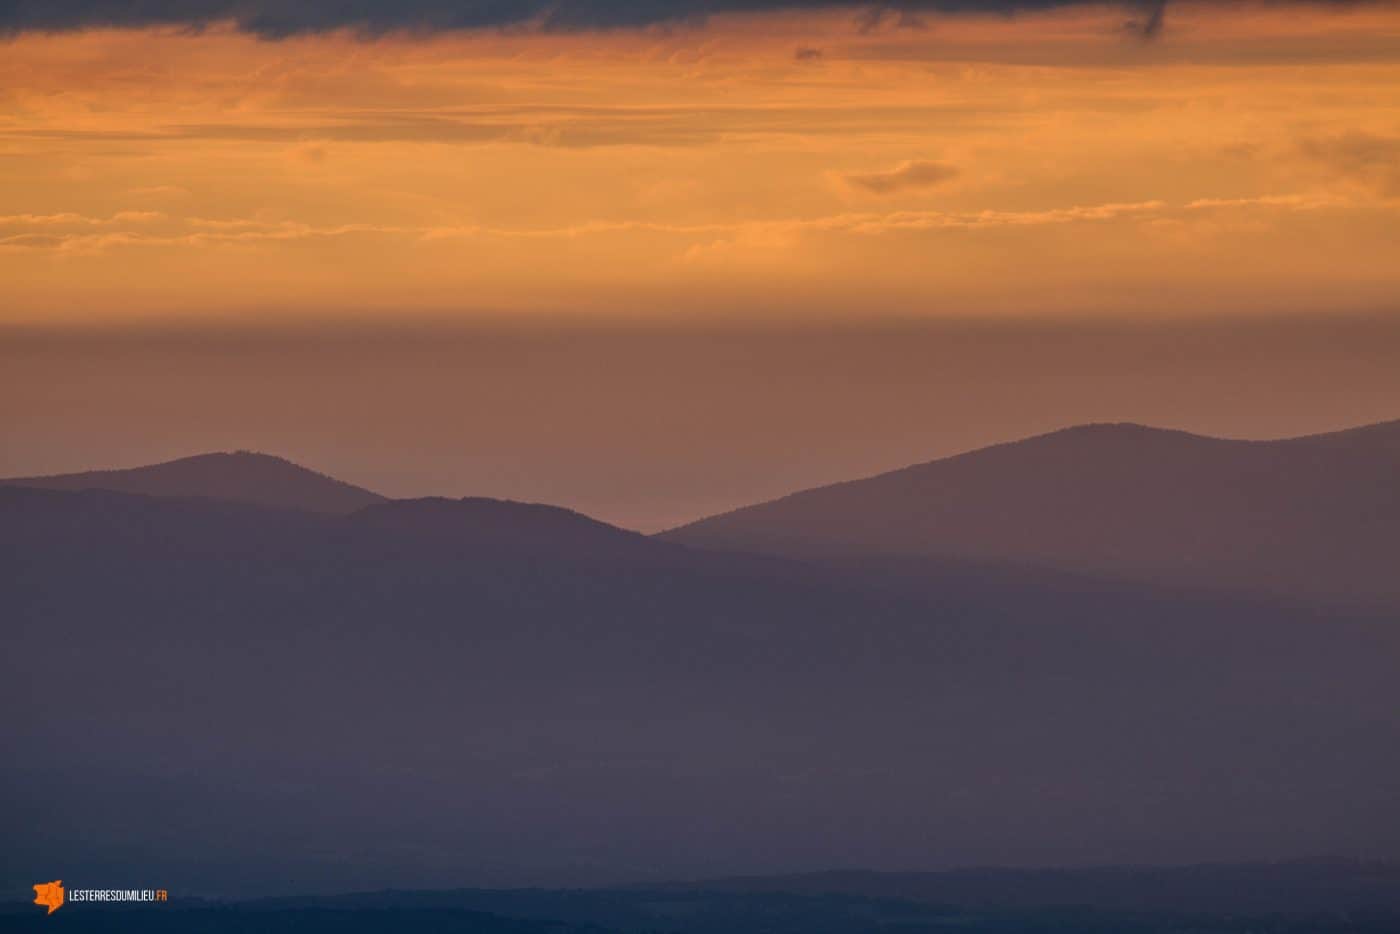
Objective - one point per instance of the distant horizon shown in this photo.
(18, 900)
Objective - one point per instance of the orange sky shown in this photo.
(658, 273)
(1244, 162)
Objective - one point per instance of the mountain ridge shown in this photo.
(1082, 428)
(1311, 517)
(237, 476)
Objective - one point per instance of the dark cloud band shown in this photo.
(278, 18)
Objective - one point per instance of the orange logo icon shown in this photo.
(50, 894)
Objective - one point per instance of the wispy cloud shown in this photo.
(1367, 158)
(206, 232)
(277, 19)
(907, 176)
(69, 219)
(274, 19)
(1292, 202)
(562, 127)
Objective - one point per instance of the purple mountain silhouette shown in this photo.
(1315, 517)
(243, 476)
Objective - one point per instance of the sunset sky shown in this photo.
(804, 169)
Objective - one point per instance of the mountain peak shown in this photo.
(237, 476)
(1113, 432)
(1117, 429)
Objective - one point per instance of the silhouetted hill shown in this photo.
(239, 477)
(242, 699)
(1315, 517)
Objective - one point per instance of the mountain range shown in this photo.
(441, 692)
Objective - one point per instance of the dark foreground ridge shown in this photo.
(1301, 898)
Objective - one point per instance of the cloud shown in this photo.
(204, 232)
(1290, 202)
(160, 191)
(807, 54)
(311, 153)
(1149, 24)
(1372, 160)
(570, 127)
(33, 241)
(69, 219)
(277, 18)
(714, 237)
(907, 176)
